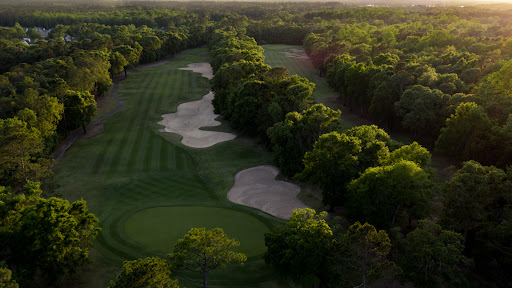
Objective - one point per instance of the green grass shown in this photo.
(130, 168)
(302, 67)
(155, 226)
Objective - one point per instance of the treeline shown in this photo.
(47, 89)
(409, 70)
(249, 93)
(374, 178)
(442, 74)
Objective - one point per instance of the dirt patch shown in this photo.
(189, 118)
(256, 187)
(202, 67)
(294, 53)
(93, 130)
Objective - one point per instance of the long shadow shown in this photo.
(75, 135)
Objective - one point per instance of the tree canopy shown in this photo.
(142, 273)
(202, 251)
(299, 248)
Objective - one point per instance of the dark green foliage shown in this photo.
(374, 145)
(250, 94)
(337, 159)
(422, 110)
(142, 273)
(48, 235)
(362, 250)
(80, 107)
(381, 195)
(477, 203)
(227, 77)
(299, 249)
(433, 256)
(465, 133)
(5, 279)
(413, 152)
(202, 251)
(20, 147)
(293, 137)
(332, 164)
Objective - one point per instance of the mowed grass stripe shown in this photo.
(151, 138)
(127, 125)
(134, 127)
(170, 106)
(153, 155)
(132, 153)
(124, 125)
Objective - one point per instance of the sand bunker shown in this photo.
(193, 115)
(204, 68)
(295, 53)
(256, 187)
(189, 118)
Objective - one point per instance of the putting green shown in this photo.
(161, 227)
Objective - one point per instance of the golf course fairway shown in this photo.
(133, 176)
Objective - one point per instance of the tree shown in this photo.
(382, 194)
(494, 93)
(332, 164)
(117, 63)
(19, 150)
(49, 235)
(202, 251)
(293, 137)
(432, 254)
(470, 197)
(228, 76)
(465, 133)
(142, 273)
(374, 145)
(299, 248)
(5, 279)
(413, 152)
(48, 111)
(79, 107)
(131, 55)
(363, 249)
(423, 110)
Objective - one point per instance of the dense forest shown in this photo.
(440, 75)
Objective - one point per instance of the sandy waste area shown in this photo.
(191, 116)
(256, 187)
(295, 53)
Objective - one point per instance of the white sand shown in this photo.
(256, 187)
(189, 118)
(204, 68)
(193, 115)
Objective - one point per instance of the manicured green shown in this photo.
(174, 222)
(131, 166)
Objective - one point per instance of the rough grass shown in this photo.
(131, 166)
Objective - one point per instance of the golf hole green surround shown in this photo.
(162, 227)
